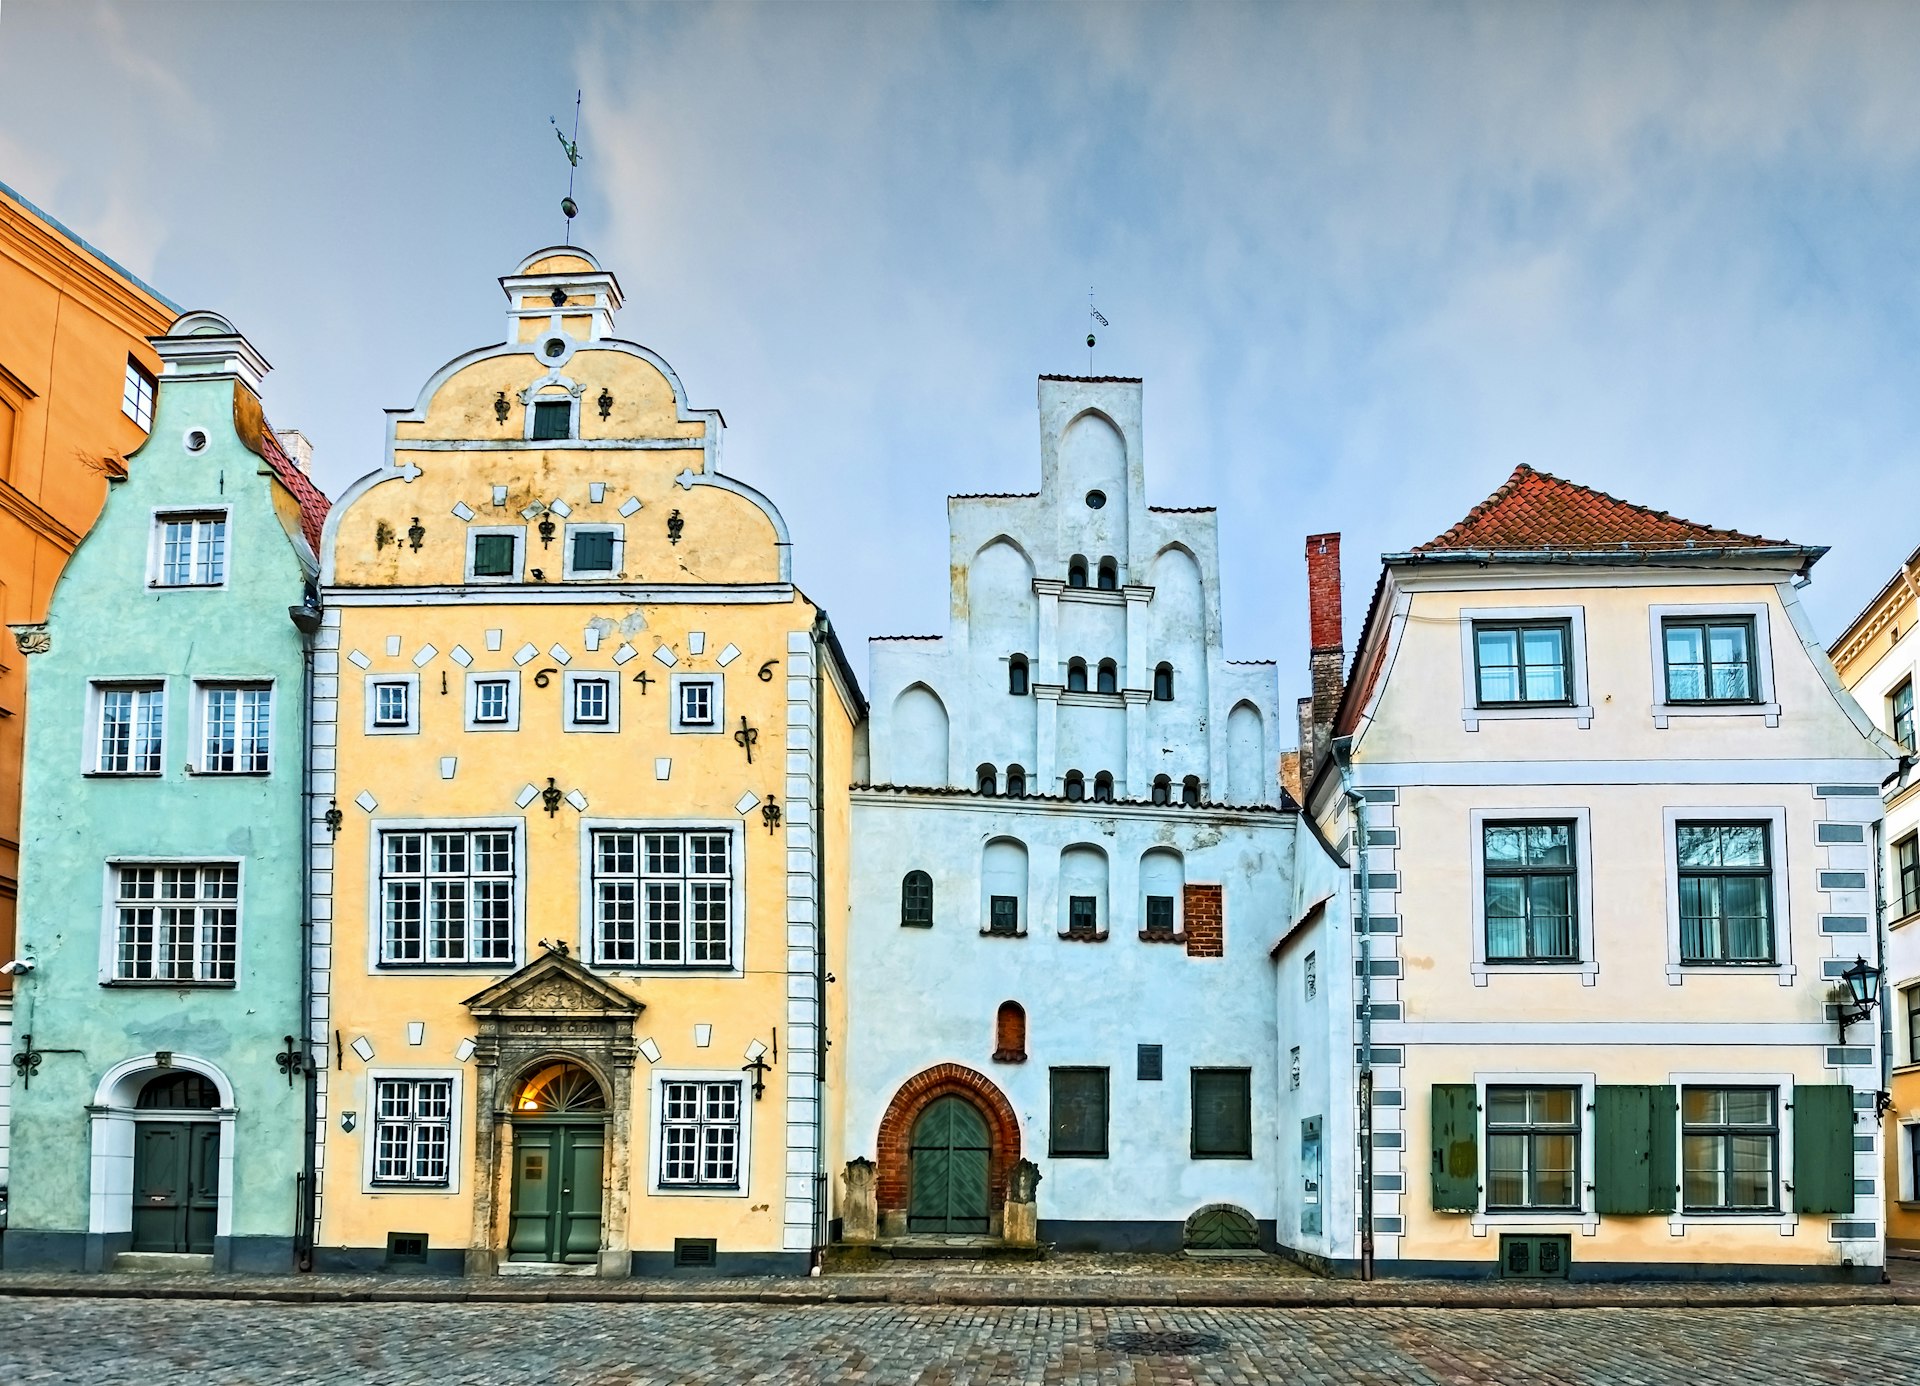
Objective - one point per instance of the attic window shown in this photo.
(552, 419)
(136, 397)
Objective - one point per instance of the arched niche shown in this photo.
(1247, 771)
(1003, 877)
(918, 738)
(1093, 457)
(1083, 877)
(1163, 879)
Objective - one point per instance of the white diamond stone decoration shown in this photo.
(499, 495)
(662, 767)
(493, 639)
(755, 1050)
(526, 796)
(424, 657)
(356, 657)
(651, 1050)
(592, 637)
(727, 656)
(458, 654)
(393, 646)
(462, 510)
(746, 803)
(629, 506)
(363, 1047)
(366, 801)
(666, 656)
(624, 653)
(702, 1036)
(596, 491)
(464, 1050)
(416, 1032)
(696, 642)
(577, 799)
(525, 653)
(561, 508)
(448, 764)
(560, 655)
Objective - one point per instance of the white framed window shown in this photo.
(413, 1139)
(447, 896)
(698, 703)
(1711, 660)
(661, 897)
(236, 728)
(136, 395)
(127, 733)
(190, 548)
(1728, 1126)
(176, 923)
(1523, 662)
(494, 552)
(553, 417)
(592, 701)
(1537, 1149)
(493, 701)
(702, 1134)
(594, 551)
(1527, 867)
(1726, 890)
(393, 704)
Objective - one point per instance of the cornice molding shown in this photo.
(37, 517)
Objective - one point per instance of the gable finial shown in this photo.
(1093, 315)
(568, 207)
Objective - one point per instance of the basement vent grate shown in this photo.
(406, 1248)
(695, 1251)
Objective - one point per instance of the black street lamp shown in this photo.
(1863, 990)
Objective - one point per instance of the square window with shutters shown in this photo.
(493, 555)
(1077, 1113)
(1147, 1063)
(1530, 885)
(1523, 664)
(591, 553)
(1729, 1150)
(1709, 661)
(1533, 1149)
(552, 419)
(1222, 1114)
(1726, 892)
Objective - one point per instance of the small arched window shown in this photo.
(1109, 677)
(1016, 782)
(1010, 1034)
(1190, 791)
(916, 900)
(986, 780)
(1017, 676)
(1109, 575)
(1076, 675)
(1077, 571)
(1163, 682)
(1163, 789)
(1076, 785)
(1103, 788)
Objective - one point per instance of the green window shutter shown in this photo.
(1222, 1113)
(1456, 1148)
(1664, 1162)
(1823, 1148)
(1633, 1148)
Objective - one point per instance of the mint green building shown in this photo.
(165, 847)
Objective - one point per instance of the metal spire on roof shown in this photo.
(1093, 315)
(568, 207)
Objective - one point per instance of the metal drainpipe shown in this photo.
(304, 1230)
(821, 1218)
(1363, 928)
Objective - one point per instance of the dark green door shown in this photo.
(176, 1185)
(557, 1176)
(948, 1180)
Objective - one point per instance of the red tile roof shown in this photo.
(1537, 511)
(313, 501)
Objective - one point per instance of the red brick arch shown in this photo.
(896, 1130)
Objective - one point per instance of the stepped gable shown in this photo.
(1535, 510)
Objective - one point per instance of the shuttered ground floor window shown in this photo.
(1730, 1149)
(1533, 1148)
(1077, 1116)
(1222, 1114)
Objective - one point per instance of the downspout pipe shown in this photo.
(1342, 748)
(306, 618)
(822, 630)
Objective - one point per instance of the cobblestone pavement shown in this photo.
(76, 1342)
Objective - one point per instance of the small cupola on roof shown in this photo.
(206, 344)
(558, 298)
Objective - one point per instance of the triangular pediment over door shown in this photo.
(554, 984)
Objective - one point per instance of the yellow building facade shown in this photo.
(1878, 659)
(580, 816)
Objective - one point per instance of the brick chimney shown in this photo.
(298, 448)
(1326, 656)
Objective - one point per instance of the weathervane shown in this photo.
(1093, 315)
(568, 207)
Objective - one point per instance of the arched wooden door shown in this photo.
(559, 1167)
(948, 1182)
(176, 1166)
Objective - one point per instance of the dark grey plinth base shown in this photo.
(34, 1249)
(658, 1265)
(1622, 1272)
(372, 1260)
(1065, 1234)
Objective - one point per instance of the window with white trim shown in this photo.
(413, 1131)
(1729, 1150)
(236, 725)
(493, 702)
(593, 551)
(493, 554)
(1726, 892)
(176, 923)
(446, 896)
(131, 723)
(1533, 1148)
(1709, 660)
(663, 899)
(192, 549)
(700, 1134)
(592, 702)
(136, 394)
(1530, 882)
(697, 703)
(392, 705)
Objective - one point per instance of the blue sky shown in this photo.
(1367, 257)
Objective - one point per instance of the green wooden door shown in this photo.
(176, 1186)
(948, 1180)
(557, 1177)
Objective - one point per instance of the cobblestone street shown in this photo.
(73, 1341)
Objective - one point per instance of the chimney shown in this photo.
(1327, 653)
(298, 448)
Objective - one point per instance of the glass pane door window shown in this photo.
(1726, 893)
(1517, 665)
(1709, 661)
(1730, 1147)
(178, 924)
(238, 726)
(1529, 876)
(1533, 1149)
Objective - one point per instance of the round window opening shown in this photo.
(1096, 499)
(556, 348)
(559, 1088)
(196, 440)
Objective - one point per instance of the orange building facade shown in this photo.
(76, 396)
